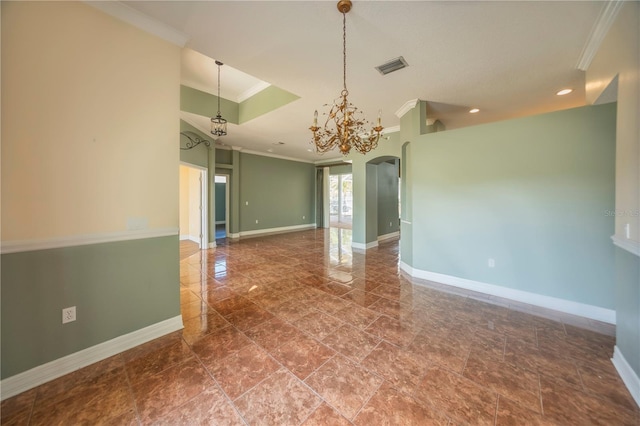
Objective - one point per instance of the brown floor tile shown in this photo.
(393, 330)
(250, 317)
(351, 342)
(280, 399)
(209, 407)
(361, 297)
(102, 398)
(318, 324)
(397, 408)
(447, 352)
(292, 310)
(461, 398)
(511, 414)
(273, 333)
(17, 410)
(516, 383)
(302, 355)
(326, 416)
(198, 327)
(242, 370)
(403, 369)
(142, 366)
(158, 395)
(566, 406)
(344, 384)
(605, 383)
(220, 344)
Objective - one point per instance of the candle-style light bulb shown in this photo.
(379, 115)
(315, 118)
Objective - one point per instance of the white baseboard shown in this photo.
(29, 379)
(275, 230)
(388, 236)
(220, 222)
(212, 245)
(631, 246)
(548, 302)
(629, 377)
(234, 236)
(367, 246)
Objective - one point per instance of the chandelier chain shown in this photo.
(218, 89)
(344, 50)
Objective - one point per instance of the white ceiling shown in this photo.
(507, 58)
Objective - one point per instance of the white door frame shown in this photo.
(204, 218)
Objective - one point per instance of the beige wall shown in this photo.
(194, 203)
(88, 132)
(619, 55)
(184, 202)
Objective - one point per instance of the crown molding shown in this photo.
(257, 88)
(388, 130)
(601, 27)
(408, 106)
(140, 20)
(281, 157)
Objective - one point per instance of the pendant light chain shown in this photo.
(218, 89)
(344, 51)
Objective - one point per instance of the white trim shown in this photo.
(282, 157)
(392, 129)
(275, 230)
(234, 236)
(140, 20)
(193, 166)
(212, 245)
(406, 222)
(408, 106)
(253, 90)
(328, 160)
(367, 246)
(548, 302)
(631, 246)
(83, 240)
(601, 27)
(220, 222)
(388, 236)
(52, 370)
(628, 376)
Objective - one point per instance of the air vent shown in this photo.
(392, 65)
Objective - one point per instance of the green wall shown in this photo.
(117, 288)
(530, 193)
(342, 169)
(627, 267)
(263, 102)
(199, 155)
(220, 202)
(388, 198)
(206, 104)
(278, 192)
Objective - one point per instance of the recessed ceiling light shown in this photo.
(474, 110)
(564, 92)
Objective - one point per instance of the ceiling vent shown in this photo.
(392, 65)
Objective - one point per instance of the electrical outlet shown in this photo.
(68, 314)
(390, 224)
(304, 217)
(492, 263)
(256, 220)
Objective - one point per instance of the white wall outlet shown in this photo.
(390, 224)
(246, 203)
(627, 230)
(256, 220)
(68, 314)
(492, 263)
(304, 217)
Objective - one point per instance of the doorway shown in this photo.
(193, 209)
(222, 206)
(341, 200)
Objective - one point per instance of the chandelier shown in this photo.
(218, 124)
(345, 124)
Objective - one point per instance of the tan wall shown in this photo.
(620, 55)
(184, 201)
(89, 124)
(194, 203)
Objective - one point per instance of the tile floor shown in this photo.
(295, 329)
